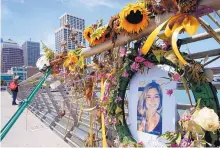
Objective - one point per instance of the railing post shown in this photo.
(14, 118)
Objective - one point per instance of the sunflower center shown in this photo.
(134, 18)
(107, 35)
(88, 34)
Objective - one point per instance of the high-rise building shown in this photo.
(31, 53)
(1, 40)
(68, 22)
(12, 55)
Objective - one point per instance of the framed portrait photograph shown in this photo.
(151, 110)
(149, 107)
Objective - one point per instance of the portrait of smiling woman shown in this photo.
(149, 109)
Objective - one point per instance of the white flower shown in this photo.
(207, 119)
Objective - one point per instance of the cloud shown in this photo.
(95, 3)
(92, 3)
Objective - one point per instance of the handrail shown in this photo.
(17, 114)
(124, 39)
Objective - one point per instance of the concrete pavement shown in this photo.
(28, 131)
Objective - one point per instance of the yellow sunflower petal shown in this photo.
(129, 27)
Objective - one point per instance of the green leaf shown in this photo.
(178, 139)
(158, 54)
(171, 137)
(120, 118)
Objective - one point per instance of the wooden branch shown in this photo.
(123, 39)
(211, 61)
(209, 53)
(198, 37)
(180, 86)
(209, 29)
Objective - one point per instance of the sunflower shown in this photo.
(71, 60)
(87, 33)
(133, 18)
(98, 36)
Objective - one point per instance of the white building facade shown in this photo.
(67, 22)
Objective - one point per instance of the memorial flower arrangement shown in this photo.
(134, 18)
(113, 69)
(193, 126)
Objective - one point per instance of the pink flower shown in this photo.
(105, 99)
(148, 64)
(135, 66)
(164, 47)
(169, 92)
(107, 85)
(122, 52)
(176, 77)
(174, 145)
(125, 74)
(186, 116)
(118, 99)
(140, 143)
(106, 120)
(114, 121)
(139, 59)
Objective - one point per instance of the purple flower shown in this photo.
(122, 52)
(106, 120)
(107, 86)
(125, 74)
(169, 92)
(185, 142)
(165, 45)
(118, 99)
(139, 59)
(105, 99)
(148, 64)
(135, 66)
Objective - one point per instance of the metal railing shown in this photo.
(73, 127)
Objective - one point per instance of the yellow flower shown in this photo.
(87, 33)
(207, 119)
(71, 60)
(134, 18)
(98, 36)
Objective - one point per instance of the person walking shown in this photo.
(13, 86)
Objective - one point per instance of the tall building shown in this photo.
(11, 55)
(68, 21)
(31, 53)
(1, 40)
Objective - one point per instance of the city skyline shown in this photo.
(46, 19)
(12, 55)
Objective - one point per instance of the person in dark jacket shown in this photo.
(15, 92)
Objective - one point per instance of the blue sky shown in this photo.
(38, 19)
